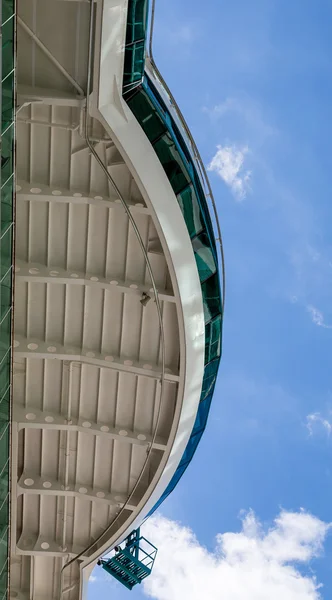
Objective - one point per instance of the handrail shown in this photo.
(196, 154)
(157, 301)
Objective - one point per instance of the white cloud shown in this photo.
(228, 164)
(221, 109)
(317, 317)
(243, 113)
(315, 420)
(254, 564)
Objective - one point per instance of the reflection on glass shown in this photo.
(204, 257)
(213, 339)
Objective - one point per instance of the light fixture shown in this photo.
(145, 299)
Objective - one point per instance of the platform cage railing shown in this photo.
(132, 562)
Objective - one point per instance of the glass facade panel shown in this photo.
(136, 21)
(6, 240)
(193, 443)
(211, 298)
(213, 331)
(3, 580)
(135, 42)
(4, 374)
(5, 292)
(4, 440)
(7, 47)
(204, 256)
(134, 62)
(7, 154)
(5, 334)
(170, 159)
(6, 250)
(8, 7)
(4, 405)
(6, 206)
(146, 114)
(7, 99)
(202, 414)
(209, 379)
(191, 210)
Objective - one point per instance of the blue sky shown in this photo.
(254, 80)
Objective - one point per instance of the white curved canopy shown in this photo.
(87, 351)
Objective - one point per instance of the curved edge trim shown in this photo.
(168, 219)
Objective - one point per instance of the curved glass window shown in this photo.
(147, 115)
(171, 160)
(135, 41)
(210, 378)
(204, 256)
(211, 297)
(213, 331)
(171, 148)
(191, 210)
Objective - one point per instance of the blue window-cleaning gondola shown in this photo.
(131, 564)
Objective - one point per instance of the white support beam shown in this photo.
(39, 349)
(31, 545)
(50, 56)
(35, 192)
(38, 273)
(33, 484)
(26, 94)
(32, 418)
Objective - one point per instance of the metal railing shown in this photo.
(194, 150)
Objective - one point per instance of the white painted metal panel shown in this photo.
(87, 361)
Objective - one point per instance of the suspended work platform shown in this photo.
(131, 564)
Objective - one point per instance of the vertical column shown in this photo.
(7, 180)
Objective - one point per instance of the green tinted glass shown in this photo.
(4, 374)
(209, 379)
(4, 447)
(4, 406)
(7, 101)
(6, 292)
(134, 63)
(3, 553)
(6, 251)
(211, 298)
(6, 211)
(7, 47)
(146, 115)
(7, 165)
(191, 210)
(136, 20)
(169, 157)
(6, 206)
(213, 339)
(204, 257)
(5, 332)
(8, 7)
(3, 579)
